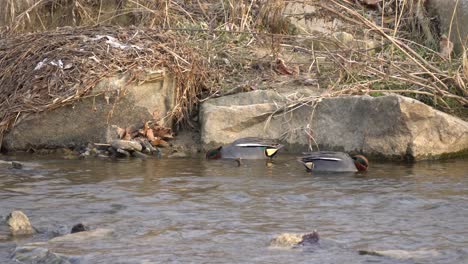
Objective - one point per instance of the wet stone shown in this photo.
(127, 145)
(19, 224)
(123, 153)
(16, 165)
(79, 228)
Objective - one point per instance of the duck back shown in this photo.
(329, 161)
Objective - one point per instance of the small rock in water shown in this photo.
(79, 228)
(37, 255)
(123, 153)
(401, 254)
(16, 165)
(286, 240)
(309, 239)
(19, 224)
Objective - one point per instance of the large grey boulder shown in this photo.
(392, 127)
(114, 101)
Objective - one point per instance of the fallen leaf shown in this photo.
(120, 132)
(281, 68)
(128, 134)
(159, 143)
(146, 127)
(150, 134)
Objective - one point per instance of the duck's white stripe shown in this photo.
(252, 145)
(320, 158)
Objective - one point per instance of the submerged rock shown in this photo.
(16, 165)
(78, 228)
(286, 240)
(83, 236)
(392, 126)
(37, 255)
(402, 254)
(19, 224)
(291, 240)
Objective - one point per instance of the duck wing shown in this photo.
(256, 142)
(324, 155)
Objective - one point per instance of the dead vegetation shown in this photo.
(228, 47)
(43, 71)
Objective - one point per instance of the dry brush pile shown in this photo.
(43, 71)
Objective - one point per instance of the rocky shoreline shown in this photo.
(389, 127)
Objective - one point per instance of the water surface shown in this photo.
(197, 211)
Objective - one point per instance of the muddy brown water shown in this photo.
(197, 211)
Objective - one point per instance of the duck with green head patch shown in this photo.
(246, 148)
(330, 161)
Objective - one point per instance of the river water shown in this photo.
(198, 211)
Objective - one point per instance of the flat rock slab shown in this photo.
(391, 127)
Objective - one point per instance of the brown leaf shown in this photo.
(150, 134)
(128, 134)
(159, 143)
(120, 132)
(146, 127)
(281, 68)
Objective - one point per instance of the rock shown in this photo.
(82, 236)
(309, 239)
(344, 38)
(291, 240)
(128, 145)
(444, 9)
(78, 228)
(16, 165)
(87, 120)
(112, 152)
(392, 126)
(402, 254)
(19, 224)
(286, 240)
(123, 153)
(147, 147)
(37, 255)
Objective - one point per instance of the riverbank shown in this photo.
(255, 78)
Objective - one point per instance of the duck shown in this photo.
(246, 148)
(331, 161)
